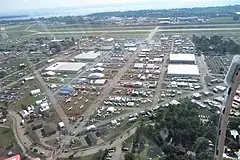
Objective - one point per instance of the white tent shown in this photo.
(111, 109)
(61, 125)
(97, 69)
(96, 76)
(50, 73)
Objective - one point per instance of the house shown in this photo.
(24, 113)
(49, 129)
(91, 139)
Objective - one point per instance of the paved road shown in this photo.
(203, 68)
(89, 151)
(140, 30)
(22, 140)
(161, 77)
(118, 155)
(53, 100)
(114, 82)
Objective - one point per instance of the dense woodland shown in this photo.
(184, 12)
(216, 45)
(177, 130)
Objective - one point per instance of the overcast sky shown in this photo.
(109, 5)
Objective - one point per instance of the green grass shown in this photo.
(77, 27)
(63, 35)
(128, 142)
(119, 130)
(20, 27)
(223, 20)
(144, 154)
(14, 62)
(19, 33)
(205, 112)
(27, 99)
(6, 137)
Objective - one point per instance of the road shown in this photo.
(97, 103)
(22, 140)
(118, 155)
(203, 68)
(32, 66)
(114, 82)
(161, 77)
(51, 97)
(89, 151)
(118, 141)
(140, 30)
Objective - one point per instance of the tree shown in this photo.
(202, 144)
(204, 155)
(129, 156)
(234, 124)
(3, 73)
(168, 149)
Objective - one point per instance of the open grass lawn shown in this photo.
(205, 112)
(128, 142)
(143, 155)
(6, 137)
(19, 27)
(63, 35)
(27, 99)
(79, 27)
(223, 20)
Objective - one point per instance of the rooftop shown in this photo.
(66, 66)
(183, 69)
(182, 57)
(89, 55)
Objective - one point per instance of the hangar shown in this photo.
(70, 67)
(89, 56)
(182, 59)
(182, 70)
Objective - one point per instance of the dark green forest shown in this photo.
(216, 45)
(183, 132)
(183, 12)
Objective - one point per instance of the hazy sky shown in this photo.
(108, 5)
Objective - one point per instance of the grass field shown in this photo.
(27, 99)
(223, 20)
(6, 137)
(79, 27)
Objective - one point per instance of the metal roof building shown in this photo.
(182, 70)
(66, 67)
(89, 56)
(182, 58)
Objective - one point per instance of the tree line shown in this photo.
(183, 12)
(215, 45)
(177, 130)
